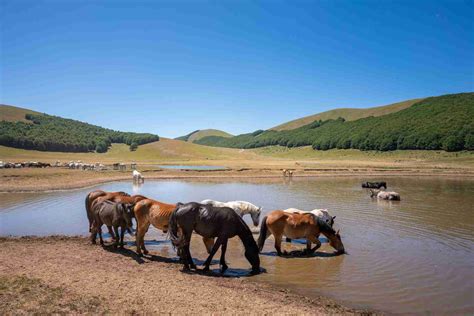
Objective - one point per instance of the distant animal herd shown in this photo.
(215, 222)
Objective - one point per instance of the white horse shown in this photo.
(321, 213)
(137, 176)
(240, 207)
(385, 195)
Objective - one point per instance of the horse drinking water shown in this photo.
(296, 225)
(211, 222)
(321, 213)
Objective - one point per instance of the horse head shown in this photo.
(335, 241)
(373, 192)
(255, 214)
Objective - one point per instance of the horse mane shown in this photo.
(324, 227)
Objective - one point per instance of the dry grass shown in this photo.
(14, 114)
(21, 295)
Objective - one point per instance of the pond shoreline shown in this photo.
(55, 180)
(126, 283)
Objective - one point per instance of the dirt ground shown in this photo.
(67, 275)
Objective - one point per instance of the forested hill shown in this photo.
(444, 122)
(198, 134)
(52, 133)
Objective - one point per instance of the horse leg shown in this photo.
(288, 239)
(122, 235)
(100, 236)
(142, 240)
(278, 243)
(116, 242)
(190, 258)
(222, 262)
(314, 240)
(213, 252)
(111, 232)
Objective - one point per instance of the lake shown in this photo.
(412, 256)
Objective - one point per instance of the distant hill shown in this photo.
(26, 129)
(346, 113)
(198, 134)
(444, 122)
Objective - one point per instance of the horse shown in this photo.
(152, 212)
(91, 197)
(240, 207)
(374, 185)
(296, 225)
(137, 176)
(321, 213)
(111, 214)
(384, 195)
(211, 222)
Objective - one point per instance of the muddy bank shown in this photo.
(52, 179)
(73, 276)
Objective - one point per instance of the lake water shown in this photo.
(413, 256)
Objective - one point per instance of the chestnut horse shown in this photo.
(297, 225)
(157, 213)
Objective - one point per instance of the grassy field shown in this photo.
(169, 151)
(349, 114)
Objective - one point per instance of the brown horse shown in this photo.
(153, 212)
(298, 225)
(91, 197)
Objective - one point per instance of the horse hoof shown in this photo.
(194, 267)
(205, 269)
(224, 269)
(145, 252)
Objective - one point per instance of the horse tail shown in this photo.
(263, 233)
(88, 211)
(173, 229)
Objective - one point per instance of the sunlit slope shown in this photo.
(346, 113)
(196, 135)
(163, 150)
(11, 113)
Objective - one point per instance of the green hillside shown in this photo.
(198, 134)
(444, 122)
(346, 113)
(21, 128)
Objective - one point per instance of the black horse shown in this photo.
(211, 222)
(374, 185)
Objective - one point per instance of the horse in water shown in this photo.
(211, 222)
(374, 185)
(321, 213)
(384, 195)
(111, 214)
(296, 225)
(91, 197)
(240, 207)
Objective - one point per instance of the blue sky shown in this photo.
(171, 67)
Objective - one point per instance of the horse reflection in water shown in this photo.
(211, 222)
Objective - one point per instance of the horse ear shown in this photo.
(337, 233)
(334, 217)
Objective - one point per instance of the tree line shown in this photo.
(53, 133)
(445, 122)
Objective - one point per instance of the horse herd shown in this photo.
(215, 221)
